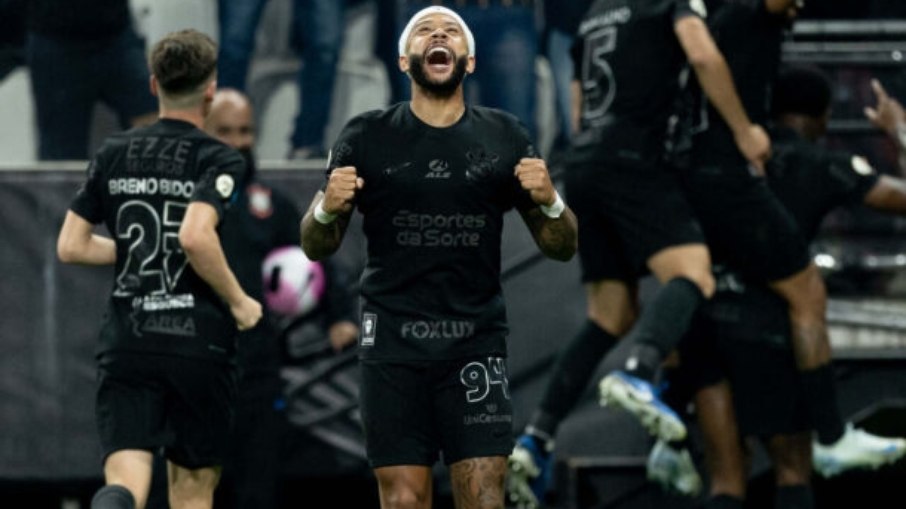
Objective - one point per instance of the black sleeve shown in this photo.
(222, 175)
(575, 51)
(683, 8)
(851, 177)
(88, 201)
(347, 150)
(522, 147)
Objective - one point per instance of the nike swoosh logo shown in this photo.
(390, 170)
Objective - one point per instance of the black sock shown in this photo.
(661, 325)
(794, 497)
(724, 502)
(571, 374)
(821, 403)
(113, 496)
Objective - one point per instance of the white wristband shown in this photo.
(553, 211)
(323, 216)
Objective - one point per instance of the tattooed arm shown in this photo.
(556, 237)
(325, 222)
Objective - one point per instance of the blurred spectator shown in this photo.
(317, 36)
(81, 52)
(505, 54)
(385, 47)
(262, 220)
(561, 21)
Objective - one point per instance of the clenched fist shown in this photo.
(342, 187)
(534, 178)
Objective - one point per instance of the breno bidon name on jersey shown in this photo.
(151, 186)
(438, 230)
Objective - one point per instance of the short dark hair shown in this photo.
(184, 60)
(802, 90)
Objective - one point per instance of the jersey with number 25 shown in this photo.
(139, 185)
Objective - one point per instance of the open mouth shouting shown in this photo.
(439, 59)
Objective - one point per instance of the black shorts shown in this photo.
(745, 224)
(759, 364)
(627, 214)
(414, 411)
(767, 393)
(183, 405)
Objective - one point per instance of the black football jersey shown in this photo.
(432, 205)
(139, 185)
(628, 61)
(750, 39)
(810, 181)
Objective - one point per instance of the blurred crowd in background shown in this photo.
(308, 65)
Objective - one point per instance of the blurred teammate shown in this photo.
(747, 325)
(167, 376)
(432, 178)
(634, 217)
(746, 225)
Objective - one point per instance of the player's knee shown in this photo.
(404, 498)
(791, 474)
(611, 307)
(193, 488)
(113, 496)
(614, 323)
(806, 294)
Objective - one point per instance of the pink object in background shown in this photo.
(293, 284)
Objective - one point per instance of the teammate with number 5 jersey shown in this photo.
(633, 215)
(167, 375)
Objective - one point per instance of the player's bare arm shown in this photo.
(888, 194)
(789, 8)
(556, 231)
(199, 240)
(78, 243)
(714, 76)
(325, 222)
(888, 115)
(575, 105)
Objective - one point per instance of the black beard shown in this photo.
(441, 89)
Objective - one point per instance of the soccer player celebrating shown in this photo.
(432, 178)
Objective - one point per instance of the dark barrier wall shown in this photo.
(50, 314)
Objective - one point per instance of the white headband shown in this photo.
(404, 38)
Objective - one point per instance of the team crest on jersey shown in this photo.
(862, 166)
(481, 163)
(260, 203)
(224, 185)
